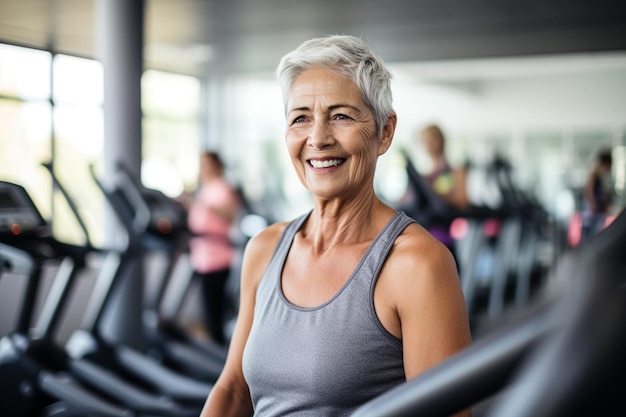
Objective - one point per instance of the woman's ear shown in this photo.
(387, 134)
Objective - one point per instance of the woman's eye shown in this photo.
(341, 117)
(299, 119)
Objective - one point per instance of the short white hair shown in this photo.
(351, 57)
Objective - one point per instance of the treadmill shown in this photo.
(561, 357)
(91, 341)
(37, 377)
(160, 224)
(492, 261)
(168, 365)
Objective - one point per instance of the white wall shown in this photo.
(564, 100)
(529, 98)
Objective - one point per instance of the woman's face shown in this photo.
(433, 143)
(331, 134)
(209, 169)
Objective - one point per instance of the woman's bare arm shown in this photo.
(429, 302)
(230, 396)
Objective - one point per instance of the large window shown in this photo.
(78, 142)
(25, 120)
(171, 131)
(51, 110)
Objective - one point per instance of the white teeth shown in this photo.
(325, 164)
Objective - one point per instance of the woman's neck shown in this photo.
(352, 223)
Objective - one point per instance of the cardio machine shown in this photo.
(156, 209)
(38, 377)
(563, 356)
(496, 239)
(142, 214)
(92, 340)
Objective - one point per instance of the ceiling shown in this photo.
(204, 36)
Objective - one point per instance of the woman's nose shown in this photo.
(320, 135)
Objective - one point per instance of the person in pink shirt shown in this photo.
(212, 214)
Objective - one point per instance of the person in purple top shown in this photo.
(447, 182)
(597, 195)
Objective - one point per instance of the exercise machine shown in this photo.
(100, 346)
(562, 357)
(140, 217)
(38, 377)
(497, 240)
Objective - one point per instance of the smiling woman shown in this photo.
(351, 298)
(331, 130)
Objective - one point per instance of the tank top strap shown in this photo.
(285, 241)
(377, 253)
(375, 256)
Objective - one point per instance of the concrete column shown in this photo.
(119, 46)
(120, 39)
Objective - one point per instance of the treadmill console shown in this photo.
(18, 213)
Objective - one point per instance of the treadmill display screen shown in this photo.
(18, 214)
(7, 200)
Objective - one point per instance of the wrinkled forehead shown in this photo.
(320, 84)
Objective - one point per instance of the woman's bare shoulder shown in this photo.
(417, 237)
(418, 251)
(267, 238)
(261, 246)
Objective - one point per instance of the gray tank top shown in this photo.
(327, 360)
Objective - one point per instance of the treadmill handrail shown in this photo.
(131, 190)
(126, 223)
(170, 383)
(117, 388)
(585, 357)
(138, 195)
(78, 398)
(70, 201)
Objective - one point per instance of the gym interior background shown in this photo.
(542, 84)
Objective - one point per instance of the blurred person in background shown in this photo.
(449, 183)
(212, 214)
(597, 195)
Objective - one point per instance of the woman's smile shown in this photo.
(326, 163)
